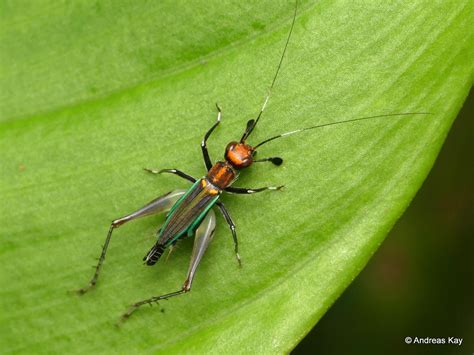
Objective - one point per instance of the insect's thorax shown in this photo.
(222, 174)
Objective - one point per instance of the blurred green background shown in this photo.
(420, 281)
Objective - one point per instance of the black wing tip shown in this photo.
(154, 254)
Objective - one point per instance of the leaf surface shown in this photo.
(93, 92)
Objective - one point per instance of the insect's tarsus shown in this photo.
(150, 302)
(252, 123)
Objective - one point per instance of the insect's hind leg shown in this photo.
(203, 236)
(160, 204)
(149, 301)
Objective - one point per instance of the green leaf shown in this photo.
(93, 92)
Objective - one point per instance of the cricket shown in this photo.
(190, 212)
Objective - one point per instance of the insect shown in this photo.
(189, 212)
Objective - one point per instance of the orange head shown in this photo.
(239, 155)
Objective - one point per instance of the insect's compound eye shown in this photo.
(239, 155)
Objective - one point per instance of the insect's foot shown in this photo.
(127, 314)
(153, 171)
(279, 188)
(83, 290)
(237, 256)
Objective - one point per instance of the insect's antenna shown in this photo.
(339, 122)
(252, 123)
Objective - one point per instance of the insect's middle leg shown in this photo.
(203, 236)
(160, 204)
(171, 171)
(243, 190)
(231, 224)
(205, 153)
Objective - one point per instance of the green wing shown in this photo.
(188, 211)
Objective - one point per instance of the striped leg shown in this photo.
(205, 153)
(171, 171)
(243, 190)
(231, 224)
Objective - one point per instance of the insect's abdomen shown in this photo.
(188, 212)
(154, 254)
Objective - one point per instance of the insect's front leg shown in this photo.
(231, 224)
(246, 191)
(160, 204)
(203, 236)
(171, 171)
(205, 153)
